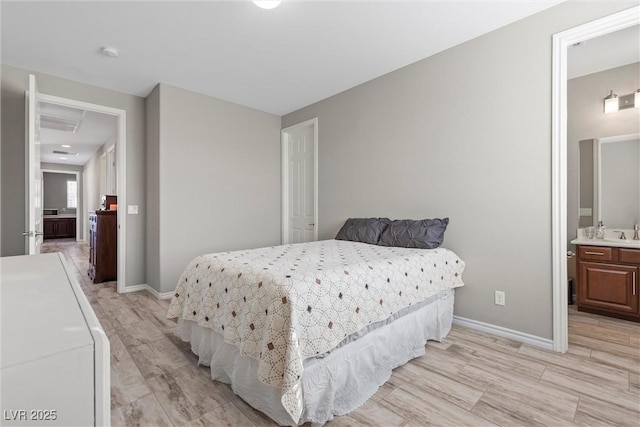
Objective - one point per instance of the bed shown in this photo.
(306, 331)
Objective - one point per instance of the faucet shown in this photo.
(622, 235)
(635, 232)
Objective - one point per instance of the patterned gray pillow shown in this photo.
(408, 233)
(365, 230)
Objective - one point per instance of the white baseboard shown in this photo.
(145, 287)
(504, 332)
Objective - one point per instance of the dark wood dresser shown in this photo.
(103, 232)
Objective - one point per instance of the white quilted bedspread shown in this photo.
(284, 304)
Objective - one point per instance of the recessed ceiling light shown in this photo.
(109, 51)
(65, 146)
(269, 4)
(63, 158)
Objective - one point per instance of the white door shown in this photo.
(111, 171)
(33, 234)
(102, 177)
(300, 183)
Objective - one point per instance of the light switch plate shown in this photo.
(132, 209)
(499, 298)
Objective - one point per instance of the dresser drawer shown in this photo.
(596, 253)
(629, 255)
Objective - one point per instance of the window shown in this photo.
(72, 194)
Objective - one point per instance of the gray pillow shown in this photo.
(408, 233)
(365, 230)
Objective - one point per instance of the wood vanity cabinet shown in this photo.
(102, 246)
(55, 228)
(608, 281)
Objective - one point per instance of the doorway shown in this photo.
(118, 178)
(300, 182)
(561, 43)
(62, 203)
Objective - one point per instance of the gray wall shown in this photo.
(585, 183)
(465, 134)
(218, 185)
(586, 120)
(54, 194)
(14, 83)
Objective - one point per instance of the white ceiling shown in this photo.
(272, 60)
(275, 61)
(94, 131)
(605, 52)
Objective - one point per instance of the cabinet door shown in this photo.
(71, 224)
(63, 228)
(49, 228)
(609, 286)
(66, 227)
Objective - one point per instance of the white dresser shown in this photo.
(54, 364)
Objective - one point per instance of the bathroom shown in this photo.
(603, 183)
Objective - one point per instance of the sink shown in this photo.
(625, 242)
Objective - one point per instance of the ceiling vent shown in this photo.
(65, 153)
(59, 123)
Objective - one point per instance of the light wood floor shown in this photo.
(471, 378)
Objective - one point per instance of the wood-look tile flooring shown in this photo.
(471, 378)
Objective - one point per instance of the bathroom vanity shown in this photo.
(608, 276)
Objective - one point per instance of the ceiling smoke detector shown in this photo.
(109, 51)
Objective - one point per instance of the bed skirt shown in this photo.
(337, 383)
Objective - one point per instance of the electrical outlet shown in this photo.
(499, 298)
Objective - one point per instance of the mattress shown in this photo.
(338, 381)
(285, 304)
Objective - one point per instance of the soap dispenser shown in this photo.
(600, 230)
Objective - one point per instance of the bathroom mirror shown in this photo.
(609, 177)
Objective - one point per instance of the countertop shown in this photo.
(61, 216)
(611, 239)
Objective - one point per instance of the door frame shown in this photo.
(285, 140)
(33, 175)
(79, 237)
(121, 141)
(561, 43)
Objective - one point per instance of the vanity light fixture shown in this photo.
(613, 102)
(269, 4)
